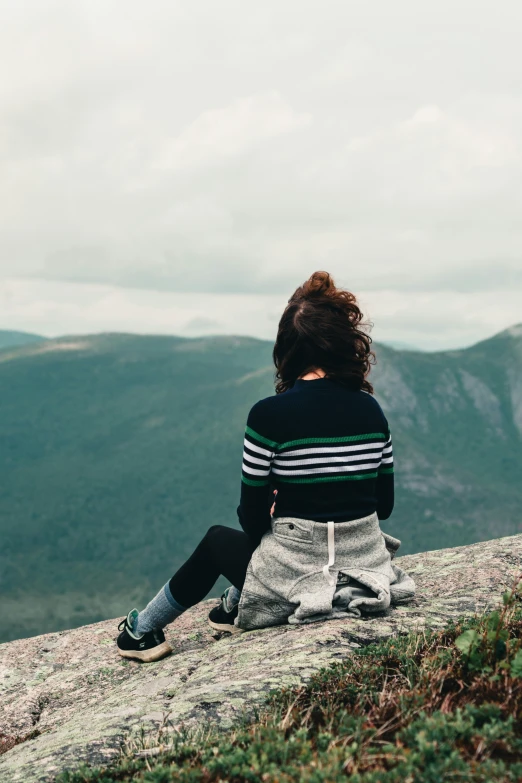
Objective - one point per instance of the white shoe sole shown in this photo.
(225, 627)
(147, 656)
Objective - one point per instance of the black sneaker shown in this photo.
(222, 617)
(149, 647)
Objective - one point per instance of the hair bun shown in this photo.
(318, 284)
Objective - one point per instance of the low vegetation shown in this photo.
(442, 706)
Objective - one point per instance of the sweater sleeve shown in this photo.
(385, 481)
(256, 494)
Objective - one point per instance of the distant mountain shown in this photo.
(118, 451)
(399, 345)
(10, 339)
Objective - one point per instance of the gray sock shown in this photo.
(232, 596)
(158, 613)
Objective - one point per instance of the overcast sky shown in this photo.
(181, 167)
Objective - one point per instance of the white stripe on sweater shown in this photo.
(264, 462)
(333, 469)
(376, 444)
(254, 472)
(257, 449)
(346, 458)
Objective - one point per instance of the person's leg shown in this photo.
(223, 551)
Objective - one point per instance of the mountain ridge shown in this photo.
(514, 331)
(101, 451)
(13, 338)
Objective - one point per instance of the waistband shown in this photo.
(331, 530)
(340, 527)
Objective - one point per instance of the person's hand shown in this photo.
(273, 504)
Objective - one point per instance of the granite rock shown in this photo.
(77, 701)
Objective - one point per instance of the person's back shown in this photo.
(327, 451)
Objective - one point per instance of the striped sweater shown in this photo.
(325, 448)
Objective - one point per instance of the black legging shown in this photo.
(223, 551)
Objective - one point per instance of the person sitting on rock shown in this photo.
(317, 478)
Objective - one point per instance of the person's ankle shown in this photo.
(133, 622)
(161, 611)
(232, 596)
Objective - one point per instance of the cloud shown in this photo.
(201, 325)
(208, 148)
(230, 132)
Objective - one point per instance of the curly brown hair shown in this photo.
(322, 328)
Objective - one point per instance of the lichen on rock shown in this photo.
(75, 700)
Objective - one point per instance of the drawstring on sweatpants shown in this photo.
(331, 552)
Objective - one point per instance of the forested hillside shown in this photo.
(10, 339)
(118, 451)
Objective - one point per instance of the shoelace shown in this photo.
(122, 625)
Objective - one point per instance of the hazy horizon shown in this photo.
(397, 344)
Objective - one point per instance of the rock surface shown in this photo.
(84, 700)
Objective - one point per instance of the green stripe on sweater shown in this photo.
(254, 482)
(345, 439)
(260, 438)
(318, 479)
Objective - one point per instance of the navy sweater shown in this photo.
(325, 448)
